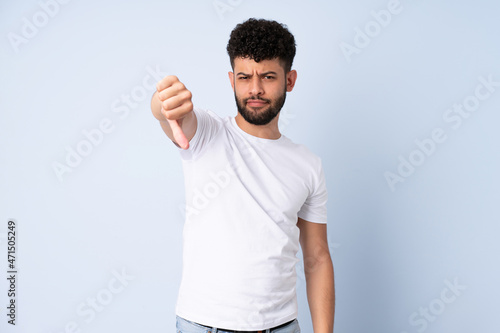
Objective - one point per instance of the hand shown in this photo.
(176, 103)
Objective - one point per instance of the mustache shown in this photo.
(256, 98)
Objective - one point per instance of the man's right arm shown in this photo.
(172, 106)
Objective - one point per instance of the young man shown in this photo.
(252, 195)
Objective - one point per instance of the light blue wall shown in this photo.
(420, 255)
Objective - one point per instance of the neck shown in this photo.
(269, 131)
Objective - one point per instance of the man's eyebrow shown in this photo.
(263, 74)
(267, 73)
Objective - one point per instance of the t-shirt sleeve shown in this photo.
(208, 125)
(314, 208)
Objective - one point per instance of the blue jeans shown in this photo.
(186, 326)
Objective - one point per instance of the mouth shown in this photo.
(256, 102)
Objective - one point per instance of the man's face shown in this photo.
(260, 88)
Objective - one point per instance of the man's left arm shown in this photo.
(318, 269)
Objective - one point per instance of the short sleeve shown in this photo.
(208, 125)
(314, 208)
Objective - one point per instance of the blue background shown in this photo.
(70, 68)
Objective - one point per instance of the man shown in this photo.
(252, 196)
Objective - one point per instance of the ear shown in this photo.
(231, 79)
(291, 77)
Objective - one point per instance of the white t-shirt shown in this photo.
(243, 197)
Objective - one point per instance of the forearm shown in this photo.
(321, 295)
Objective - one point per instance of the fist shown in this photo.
(175, 101)
(174, 97)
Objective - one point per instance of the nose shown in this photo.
(256, 87)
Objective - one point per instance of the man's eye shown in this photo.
(243, 77)
(269, 77)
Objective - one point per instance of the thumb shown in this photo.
(179, 136)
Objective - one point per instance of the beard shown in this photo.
(260, 115)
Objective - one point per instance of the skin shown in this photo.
(267, 80)
(172, 106)
(318, 269)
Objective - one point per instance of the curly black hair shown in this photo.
(260, 39)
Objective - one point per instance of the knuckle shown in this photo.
(163, 82)
(168, 115)
(179, 86)
(166, 82)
